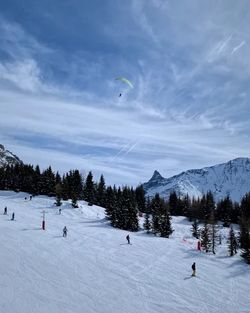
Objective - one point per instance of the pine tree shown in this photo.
(245, 238)
(194, 211)
(76, 183)
(65, 187)
(58, 189)
(161, 220)
(232, 242)
(165, 223)
(129, 212)
(115, 212)
(156, 205)
(58, 178)
(89, 189)
(109, 202)
(173, 203)
(148, 206)
(147, 223)
(224, 211)
(101, 189)
(245, 206)
(186, 205)
(205, 238)
(195, 229)
(48, 182)
(213, 231)
(74, 201)
(207, 205)
(140, 198)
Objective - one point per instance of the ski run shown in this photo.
(94, 270)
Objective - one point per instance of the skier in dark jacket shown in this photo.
(65, 231)
(13, 216)
(194, 269)
(128, 239)
(5, 211)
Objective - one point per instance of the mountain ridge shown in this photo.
(7, 157)
(231, 178)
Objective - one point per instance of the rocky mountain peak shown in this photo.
(7, 157)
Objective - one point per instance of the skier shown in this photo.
(60, 211)
(128, 239)
(30, 197)
(199, 245)
(13, 216)
(5, 211)
(194, 269)
(65, 231)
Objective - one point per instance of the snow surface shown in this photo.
(95, 270)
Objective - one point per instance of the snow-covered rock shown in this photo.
(231, 178)
(6, 157)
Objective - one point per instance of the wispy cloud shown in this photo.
(189, 107)
(236, 48)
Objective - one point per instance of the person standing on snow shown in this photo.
(5, 211)
(13, 216)
(65, 231)
(128, 239)
(194, 269)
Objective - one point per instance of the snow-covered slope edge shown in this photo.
(231, 178)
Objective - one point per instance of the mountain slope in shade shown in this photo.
(231, 178)
(8, 158)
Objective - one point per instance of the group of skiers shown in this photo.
(65, 232)
(5, 212)
(30, 198)
(193, 265)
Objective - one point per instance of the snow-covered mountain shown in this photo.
(231, 178)
(6, 157)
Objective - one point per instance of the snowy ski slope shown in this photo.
(93, 270)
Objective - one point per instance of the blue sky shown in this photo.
(189, 63)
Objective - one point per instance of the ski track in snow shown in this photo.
(93, 270)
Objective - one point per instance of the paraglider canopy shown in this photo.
(126, 81)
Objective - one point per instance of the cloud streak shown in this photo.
(189, 107)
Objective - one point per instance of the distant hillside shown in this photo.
(6, 157)
(231, 178)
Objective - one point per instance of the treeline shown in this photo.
(124, 204)
(206, 212)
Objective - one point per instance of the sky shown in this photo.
(188, 62)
